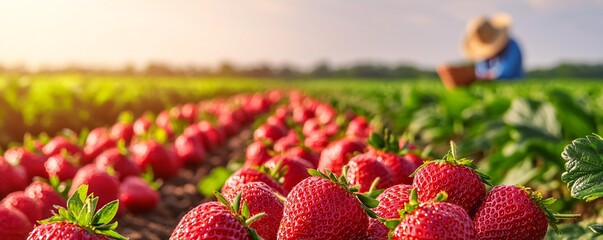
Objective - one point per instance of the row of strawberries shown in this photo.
(111, 162)
(303, 179)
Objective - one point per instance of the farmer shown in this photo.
(496, 55)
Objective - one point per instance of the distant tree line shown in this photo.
(321, 70)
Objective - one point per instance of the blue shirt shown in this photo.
(506, 65)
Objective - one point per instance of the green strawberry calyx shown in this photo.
(386, 142)
(552, 216)
(409, 207)
(80, 211)
(451, 158)
(367, 199)
(241, 213)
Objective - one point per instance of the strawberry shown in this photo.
(363, 169)
(13, 178)
(338, 154)
(189, 112)
(137, 195)
(317, 141)
(256, 154)
(97, 141)
(229, 125)
(324, 207)
(433, 220)
(457, 177)
(142, 125)
(390, 201)
(310, 126)
(325, 113)
(189, 149)
(79, 221)
(60, 166)
(21, 202)
(247, 175)
(122, 131)
(304, 153)
(514, 212)
(269, 133)
(103, 185)
(217, 220)
(119, 161)
(288, 141)
(212, 136)
(301, 114)
(414, 159)
(150, 153)
(31, 162)
(46, 196)
(359, 128)
(385, 149)
(295, 169)
(14, 225)
(261, 198)
(58, 143)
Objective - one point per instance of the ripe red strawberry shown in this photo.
(457, 177)
(103, 185)
(97, 142)
(150, 153)
(60, 166)
(229, 125)
(514, 212)
(295, 169)
(13, 224)
(385, 149)
(63, 226)
(216, 220)
(362, 171)
(189, 112)
(142, 125)
(414, 159)
(256, 154)
(319, 208)
(137, 195)
(46, 196)
(269, 133)
(289, 141)
(304, 153)
(21, 202)
(189, 150)
(261, 198)
(434, 220)
(310, 126)
(390, 202)
(12, 178)
(317, 141)
(338, 154)
(58, 143)
(247, 175)
(359, 128)
(212, 136)
(301, 114)
(31, 162)
(121, 163)
(122, 131)
(325, 113)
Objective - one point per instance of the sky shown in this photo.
(112, 33)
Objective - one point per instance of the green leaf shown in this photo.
(236, 203)
(214, 181)
(597, 228)
(584, 167)
(112, 234)
(76, 202)
(368, 202)
(392, 224)
(245, 210)
(106, 213)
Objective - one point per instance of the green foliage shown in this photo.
(584, 167)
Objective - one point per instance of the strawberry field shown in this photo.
(300, 159)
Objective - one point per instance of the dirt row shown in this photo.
(179, 194)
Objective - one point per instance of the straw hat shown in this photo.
(485, 37)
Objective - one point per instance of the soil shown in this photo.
(179, 194)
